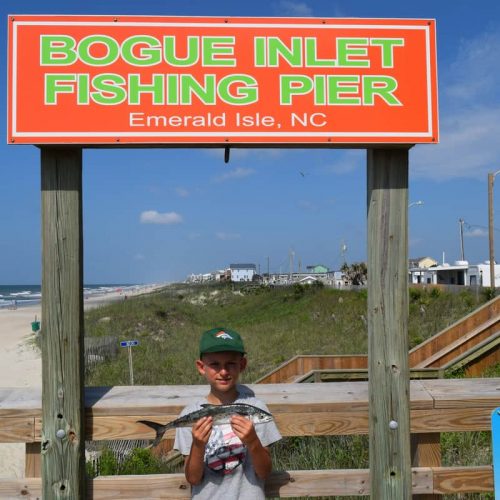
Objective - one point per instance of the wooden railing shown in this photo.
(470, 343)
(300, 410)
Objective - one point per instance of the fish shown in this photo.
(221, 414)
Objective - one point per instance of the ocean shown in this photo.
(23, 295)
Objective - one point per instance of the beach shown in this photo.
(21, 364)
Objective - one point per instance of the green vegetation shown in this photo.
(277, 324)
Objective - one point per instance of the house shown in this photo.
(459, 273)
(317, 268)
(242, 272)
(309, 280)
(443, 274)
(479, 274)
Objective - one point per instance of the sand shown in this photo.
(21, 364)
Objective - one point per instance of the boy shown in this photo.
(229, 461)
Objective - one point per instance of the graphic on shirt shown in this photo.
(224, 450)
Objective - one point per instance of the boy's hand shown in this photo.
(244, 429)
(201, 431)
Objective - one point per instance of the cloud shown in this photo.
(236, 173)
(476, 233)
(289, 8)
(221, 235)
(139, 256)
(469, 146)
(470, 107)
(154, 217)
(471, 74)
(181, 192)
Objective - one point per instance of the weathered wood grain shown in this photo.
(16, 430)
(463, 479)
(33, 465)
(63, 440)
(310, 483)
(387, 282)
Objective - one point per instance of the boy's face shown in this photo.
(222, 369)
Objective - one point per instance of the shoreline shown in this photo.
(21, 364)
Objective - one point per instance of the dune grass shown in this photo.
(276, 324)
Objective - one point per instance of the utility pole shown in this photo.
(491, 180)
(461, 223)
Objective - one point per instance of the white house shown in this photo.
(479, 274)
(242, 272)
(459, 273)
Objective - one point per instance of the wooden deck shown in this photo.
(471, 343)
(300, 410)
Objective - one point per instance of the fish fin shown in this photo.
(159, 428)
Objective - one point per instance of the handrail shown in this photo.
(300, 410)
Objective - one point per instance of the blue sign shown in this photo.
(495, 436)
(129, 343)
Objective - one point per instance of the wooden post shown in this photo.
(426, 452)
(389, 426)
(63, 440)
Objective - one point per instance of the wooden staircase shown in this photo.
(472, 344)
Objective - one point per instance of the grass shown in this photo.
(276, 324)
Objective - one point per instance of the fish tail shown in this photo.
(159, 428)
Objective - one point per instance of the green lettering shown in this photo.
(383, 86)
(311, 49)
(259, 52)
(149, 50)
(192, 51)
(238, 89)
(190, 86)
(347, 47)
(58, 84)
(215, 46)
(137, 88)
(277, 49)
(112, 50)
(292, 85)
(338, 85)
(108, 89)
(387, 45)
(57, 50)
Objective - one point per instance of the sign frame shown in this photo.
(24, 111)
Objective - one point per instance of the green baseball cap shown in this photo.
(220, 340)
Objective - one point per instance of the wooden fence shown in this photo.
(300, 410)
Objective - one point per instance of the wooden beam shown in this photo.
(33, 465)
(283, 484)
(390, 463)
(426, 452)
(63, 440)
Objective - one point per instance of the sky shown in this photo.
(158, 215)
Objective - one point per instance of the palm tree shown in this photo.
(356, 273)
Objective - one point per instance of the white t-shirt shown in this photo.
(228, 470)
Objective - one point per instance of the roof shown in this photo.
(242, 266)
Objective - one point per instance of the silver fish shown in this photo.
(221, 414)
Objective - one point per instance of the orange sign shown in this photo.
(162, 80)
